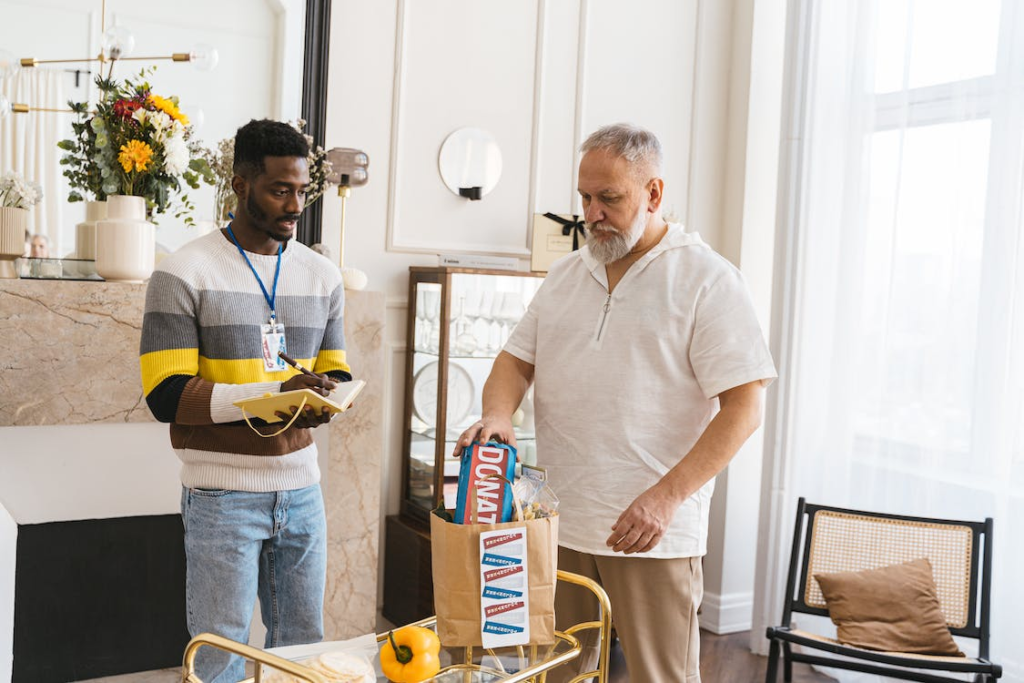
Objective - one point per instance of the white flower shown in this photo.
(176, 154)
(17, 192)
(163, 125)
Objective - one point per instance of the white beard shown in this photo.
(614, 244)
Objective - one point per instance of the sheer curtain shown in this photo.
(901, 280)
(28, 145)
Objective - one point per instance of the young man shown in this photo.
(217, 312)
(649, 366)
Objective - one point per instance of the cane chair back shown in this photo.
(846, 541)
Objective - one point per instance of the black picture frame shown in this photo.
(314, 100)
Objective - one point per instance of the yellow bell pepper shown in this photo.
(411, 655)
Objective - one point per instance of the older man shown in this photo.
(650, 367)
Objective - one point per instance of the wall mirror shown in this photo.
(261, 45)
(470, 162)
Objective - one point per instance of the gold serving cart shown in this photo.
(469, 664)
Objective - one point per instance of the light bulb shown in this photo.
(9, 64)
(204, 57)
(118, 42)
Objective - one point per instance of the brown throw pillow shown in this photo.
(893, 609)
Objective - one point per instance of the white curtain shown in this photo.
(903, 278)
(28, 145)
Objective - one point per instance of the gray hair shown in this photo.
(639, 146)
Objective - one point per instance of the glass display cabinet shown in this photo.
(458, 321)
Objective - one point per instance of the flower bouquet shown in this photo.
(17, 192)
(134, 143)
(221, 163)
(16, 196)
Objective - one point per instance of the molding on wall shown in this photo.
(538, 96)
(726, 613)
(396, 107)
(694, 83)
(577, 125)
(393, 245)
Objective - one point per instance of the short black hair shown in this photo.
(263, 138)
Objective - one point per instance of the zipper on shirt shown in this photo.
(604, 316)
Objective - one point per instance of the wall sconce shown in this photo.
(470, 162)
(349, 168)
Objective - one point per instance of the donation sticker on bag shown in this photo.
(505, 595)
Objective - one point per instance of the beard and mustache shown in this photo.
(262, 218)
(615, 244)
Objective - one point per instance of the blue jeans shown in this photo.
(241, 545)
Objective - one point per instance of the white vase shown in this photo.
(85, 232)
(125, 241)
(12, 239)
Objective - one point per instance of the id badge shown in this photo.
(272, 341)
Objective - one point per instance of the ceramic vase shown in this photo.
(85, 232)
(12, 239)
(125, 241)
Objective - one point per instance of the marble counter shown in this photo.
(70, 357)
(70, 353)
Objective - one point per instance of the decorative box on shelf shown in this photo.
(555, 236)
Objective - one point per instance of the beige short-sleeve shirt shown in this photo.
(626, 383)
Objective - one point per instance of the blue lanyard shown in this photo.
(272, 296)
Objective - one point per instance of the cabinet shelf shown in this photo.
(458, 356)
(454, 434)
(452, 311)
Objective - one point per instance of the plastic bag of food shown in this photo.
(537, 498)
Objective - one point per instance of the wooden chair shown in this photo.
(828, 539)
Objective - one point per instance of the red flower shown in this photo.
(125, 108)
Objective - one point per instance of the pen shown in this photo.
(292, 362)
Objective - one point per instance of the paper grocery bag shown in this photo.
(455, 554)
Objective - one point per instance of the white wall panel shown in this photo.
(639, 68)
(555, 181)
(462, 64)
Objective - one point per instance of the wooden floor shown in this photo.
(725, 659)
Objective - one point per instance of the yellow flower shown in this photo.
(136, 154)
(168, 107)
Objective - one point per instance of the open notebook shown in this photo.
(267, 405)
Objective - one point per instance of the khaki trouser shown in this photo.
(654, 608)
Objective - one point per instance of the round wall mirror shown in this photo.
(470, 162)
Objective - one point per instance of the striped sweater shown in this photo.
(201, 351)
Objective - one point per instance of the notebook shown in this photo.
(267, 405)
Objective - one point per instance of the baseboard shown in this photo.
(729, 613)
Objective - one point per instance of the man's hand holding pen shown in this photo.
(307, 379)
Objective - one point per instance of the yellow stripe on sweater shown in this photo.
(159, 365)
(329, 360)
